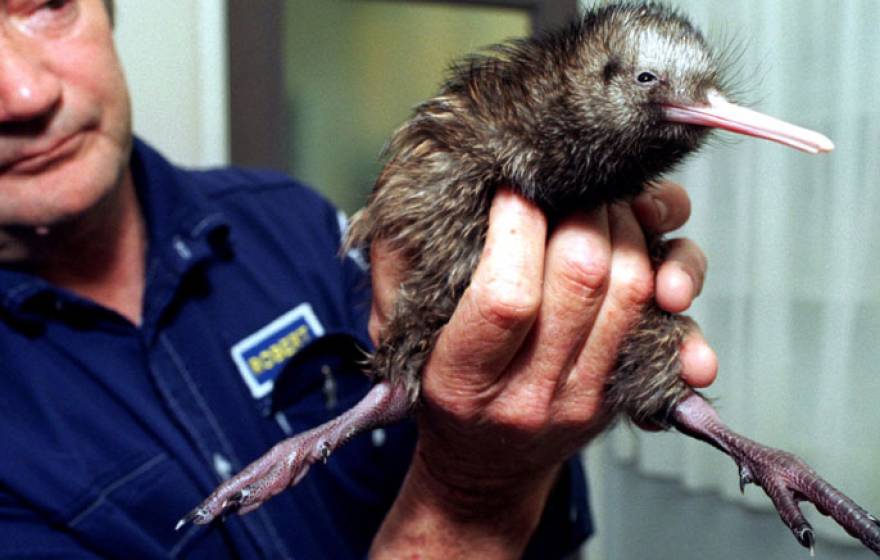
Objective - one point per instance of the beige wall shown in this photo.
(354, 70)
(174, 53)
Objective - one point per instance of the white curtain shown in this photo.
(792, 301)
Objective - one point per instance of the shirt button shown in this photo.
(222, 466)
(329, 388)
(182, 249)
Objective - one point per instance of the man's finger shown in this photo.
(576, 277)
(663, 207)
(500, 305)
(699, 364)
(631, 287)
(680, 277)
(386, 269)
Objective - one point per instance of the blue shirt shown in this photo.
(111, 432)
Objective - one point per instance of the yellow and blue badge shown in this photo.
(261, 356)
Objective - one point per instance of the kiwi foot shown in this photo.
(785, 478)
(286, 463)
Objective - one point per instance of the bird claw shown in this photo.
(785, 478)
(807, 539)
(283, 466)
(236, 500)
(197, 516)
(745, 478)
(788, 480)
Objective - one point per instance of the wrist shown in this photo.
(466, 490)
(443, 513)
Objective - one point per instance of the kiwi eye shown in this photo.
(647, 78)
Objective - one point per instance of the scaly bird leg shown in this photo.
(286, 463)
(783, 476)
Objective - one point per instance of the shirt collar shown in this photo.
(183, 225)
(184, 228)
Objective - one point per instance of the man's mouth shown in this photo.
(40, 156)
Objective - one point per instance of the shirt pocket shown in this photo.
(321, 381)
(135, 515)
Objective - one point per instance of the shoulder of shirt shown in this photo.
(267, 202)
(224, 182)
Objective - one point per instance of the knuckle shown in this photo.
(521, 419)
(507, 308)
(634, 283)
(588, 272)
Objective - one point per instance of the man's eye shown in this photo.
(50, 16)
(56, 4)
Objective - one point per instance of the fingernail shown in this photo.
(681, 282)
(662, 210)
(691, 281)
(696, 287)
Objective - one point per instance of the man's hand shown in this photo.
(514, 385)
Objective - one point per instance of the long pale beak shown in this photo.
(720, 113)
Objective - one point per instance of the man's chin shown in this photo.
(61, 192)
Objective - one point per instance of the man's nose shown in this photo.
(28, 88)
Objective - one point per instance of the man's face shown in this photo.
(65, 121)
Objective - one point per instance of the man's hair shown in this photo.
(109, 5)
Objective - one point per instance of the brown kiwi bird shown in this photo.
(577, 118)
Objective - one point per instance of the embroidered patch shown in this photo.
(261, 356)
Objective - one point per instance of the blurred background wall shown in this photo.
(354, 70)
(175, 55)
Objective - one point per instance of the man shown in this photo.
(146, 315)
